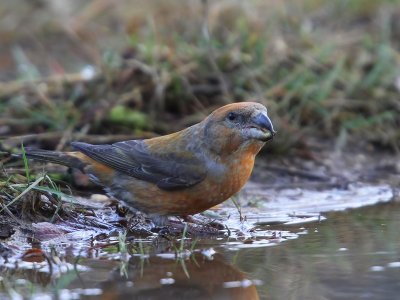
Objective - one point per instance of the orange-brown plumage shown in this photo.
(181, 173)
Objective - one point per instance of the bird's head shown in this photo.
(239, 124)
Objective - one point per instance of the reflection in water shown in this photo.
(198, 277)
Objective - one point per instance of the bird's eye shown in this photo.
(232, 116)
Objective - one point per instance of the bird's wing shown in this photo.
(168, 171)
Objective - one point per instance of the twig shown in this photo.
(14, 218)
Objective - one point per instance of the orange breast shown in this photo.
(208, 193)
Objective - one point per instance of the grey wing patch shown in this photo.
(167, 171)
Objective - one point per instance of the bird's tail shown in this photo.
(62, 158)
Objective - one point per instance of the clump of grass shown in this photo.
(34, 198)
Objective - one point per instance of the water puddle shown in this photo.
(335, 243)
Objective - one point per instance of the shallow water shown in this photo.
(351, 255)
(296, 253)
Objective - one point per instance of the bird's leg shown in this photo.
(204, 221)
(195, 225)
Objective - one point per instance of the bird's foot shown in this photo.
(195, 225)
(138, 224)
(205, 221)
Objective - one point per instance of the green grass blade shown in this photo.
(26, 166)
(30, 187)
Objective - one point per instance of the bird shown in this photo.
(179, 174)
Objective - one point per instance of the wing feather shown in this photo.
(168, 171)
